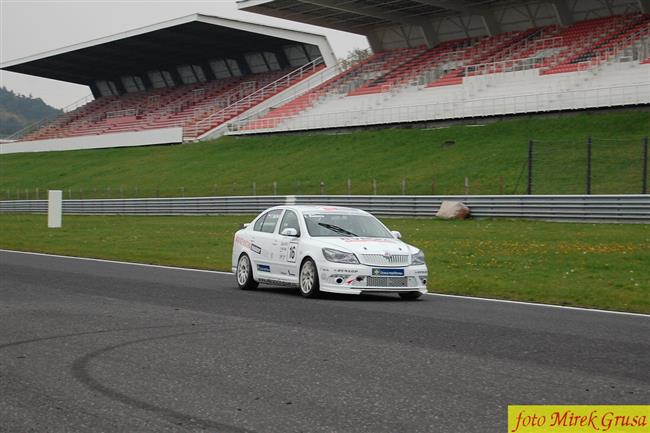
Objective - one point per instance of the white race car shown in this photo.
(326, 249)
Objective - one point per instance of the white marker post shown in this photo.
(54, 208)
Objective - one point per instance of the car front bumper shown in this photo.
(356, 279)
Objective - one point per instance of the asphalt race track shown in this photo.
(91, 346)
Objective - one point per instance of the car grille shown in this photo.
(381, 260)
(387, 281)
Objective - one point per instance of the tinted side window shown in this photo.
(271, 220)
(258, 224)
(290, 220)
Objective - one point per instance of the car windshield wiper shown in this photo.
(336, 229)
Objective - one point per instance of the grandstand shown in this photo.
(196, 107)
(192, 74)
(561, 56)
(201, 76)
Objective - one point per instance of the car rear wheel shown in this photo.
(244, 274)
(410, 295)
(309, 284)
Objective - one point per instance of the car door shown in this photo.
(261, 243)
(287, 257)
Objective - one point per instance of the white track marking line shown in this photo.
(117, 262)
(534, 304)
(472, 298)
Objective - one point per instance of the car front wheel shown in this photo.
(244, 274)
(309, 285)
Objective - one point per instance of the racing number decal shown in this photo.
(291, 257)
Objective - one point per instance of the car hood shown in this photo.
(367, 245)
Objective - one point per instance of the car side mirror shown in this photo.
(289, 231)
(396, 234)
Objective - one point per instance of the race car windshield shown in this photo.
(347, 225)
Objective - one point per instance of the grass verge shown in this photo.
(492, 156)
(590, 265)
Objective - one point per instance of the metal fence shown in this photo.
(593, 166)
(632, 208)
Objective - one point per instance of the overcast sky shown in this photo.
(31, 27)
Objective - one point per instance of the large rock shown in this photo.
(453, 210)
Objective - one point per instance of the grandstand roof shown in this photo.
(359, 16)
(404, 23)
(182, 40)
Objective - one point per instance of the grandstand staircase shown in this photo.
(393, 61)
(198, 128)
(340, 85)
(433, 61)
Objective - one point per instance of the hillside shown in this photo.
(492, 156)
(18, 111)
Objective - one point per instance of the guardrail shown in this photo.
(613, 208)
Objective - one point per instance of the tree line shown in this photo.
(18, 111)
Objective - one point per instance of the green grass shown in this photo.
(591, 265)
(491, 156)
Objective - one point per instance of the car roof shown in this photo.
(321, 208)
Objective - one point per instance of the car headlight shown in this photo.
(417, 258)
(339, 256)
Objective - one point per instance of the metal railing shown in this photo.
(634, 45)
(531, 46)
(127, 112)
(355, 76)
(593, 41)
(613, 208)
(629, 94)
(619, 49)
(443, 63)
(252, 99)
(503, 66)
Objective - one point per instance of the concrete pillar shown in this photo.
(54, 208)
(430, 35)
(562, 12)
(376, 42)
(644, 5)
